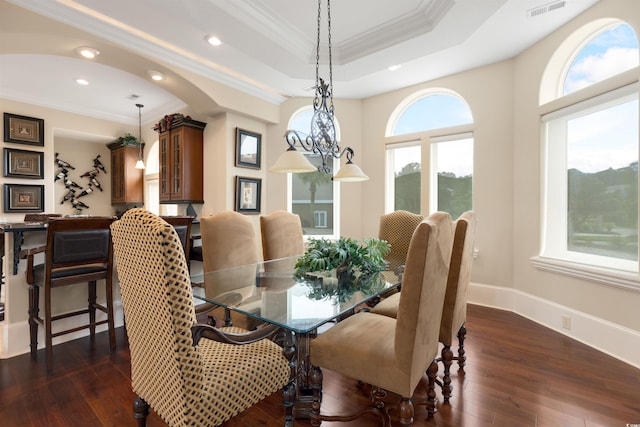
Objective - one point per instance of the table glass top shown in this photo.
(271, 292)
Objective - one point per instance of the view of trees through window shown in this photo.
(602, 152)
(451, 170)
(602, 168)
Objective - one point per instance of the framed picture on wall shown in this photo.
(248, 195)
(23, 129)
(23, 198)
(23, 164)
(248, 149)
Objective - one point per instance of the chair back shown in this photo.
(166, 370)
(228, 240)
(282, 236)
(397, 228)
(182, 225)
(422, 296)
(78, 249)
(454, 313)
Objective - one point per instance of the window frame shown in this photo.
(596, 94)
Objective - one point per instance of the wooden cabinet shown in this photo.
(180, 153)
(127, 182)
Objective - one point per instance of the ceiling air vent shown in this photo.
(549, 7)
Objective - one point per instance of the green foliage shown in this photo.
(325, 254)
(128, 140)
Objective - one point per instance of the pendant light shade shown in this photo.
(350, 172)
(140, 162)
(292, 161)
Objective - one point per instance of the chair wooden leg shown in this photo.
(140, 411)
(432, 373)
(110, 316)
(406, 411)
(92, 308)
(34, 303)
(48, 334)
(447, 361)
(461, 358)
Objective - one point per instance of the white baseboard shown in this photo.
(610, 338)
(15, 336)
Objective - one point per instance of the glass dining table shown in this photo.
(301, 304)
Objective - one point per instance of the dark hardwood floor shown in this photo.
(518, 374)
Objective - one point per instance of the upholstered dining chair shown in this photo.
(454, 313)
(190, 374)
(397, 228)
(281, 233)
(393, 354)
(78, 251)
(229, 240)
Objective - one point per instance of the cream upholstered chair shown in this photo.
(454, 313)
(282, 236)
(397, 228)
(177, 368)
(229, 240)
(389, 353)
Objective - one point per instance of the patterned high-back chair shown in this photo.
(397, 227)
(187, 378)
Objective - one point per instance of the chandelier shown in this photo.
(322, 138)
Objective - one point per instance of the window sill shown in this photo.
(610, 277)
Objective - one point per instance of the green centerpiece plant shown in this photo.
(341, 267)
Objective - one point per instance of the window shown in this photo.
(610, 52)
(320, 219)
(314, 195)
(591, 182)
(452, 169)
(442, 119)
(403, 184)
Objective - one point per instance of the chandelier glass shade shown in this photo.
(322, 137)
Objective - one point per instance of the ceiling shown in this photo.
(268, 46)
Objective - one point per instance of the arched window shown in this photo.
(435, 109)
(591, 138)
(314, 195)
(439, 119)
(609, 52)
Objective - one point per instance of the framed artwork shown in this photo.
(248, 149)
(23, 129)
(248, 195)
(23, 198)
(23, 163)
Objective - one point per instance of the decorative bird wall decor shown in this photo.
(74, 190)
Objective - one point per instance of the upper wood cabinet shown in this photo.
(181, 161)
(127, 182)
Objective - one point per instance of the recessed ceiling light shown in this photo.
(82, 82)
(395, 67)
(156, 75)
(213, 40)
(87, 52)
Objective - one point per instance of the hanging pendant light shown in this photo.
(140, 162)
(322, 138)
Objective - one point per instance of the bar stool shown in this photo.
(78, 250)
